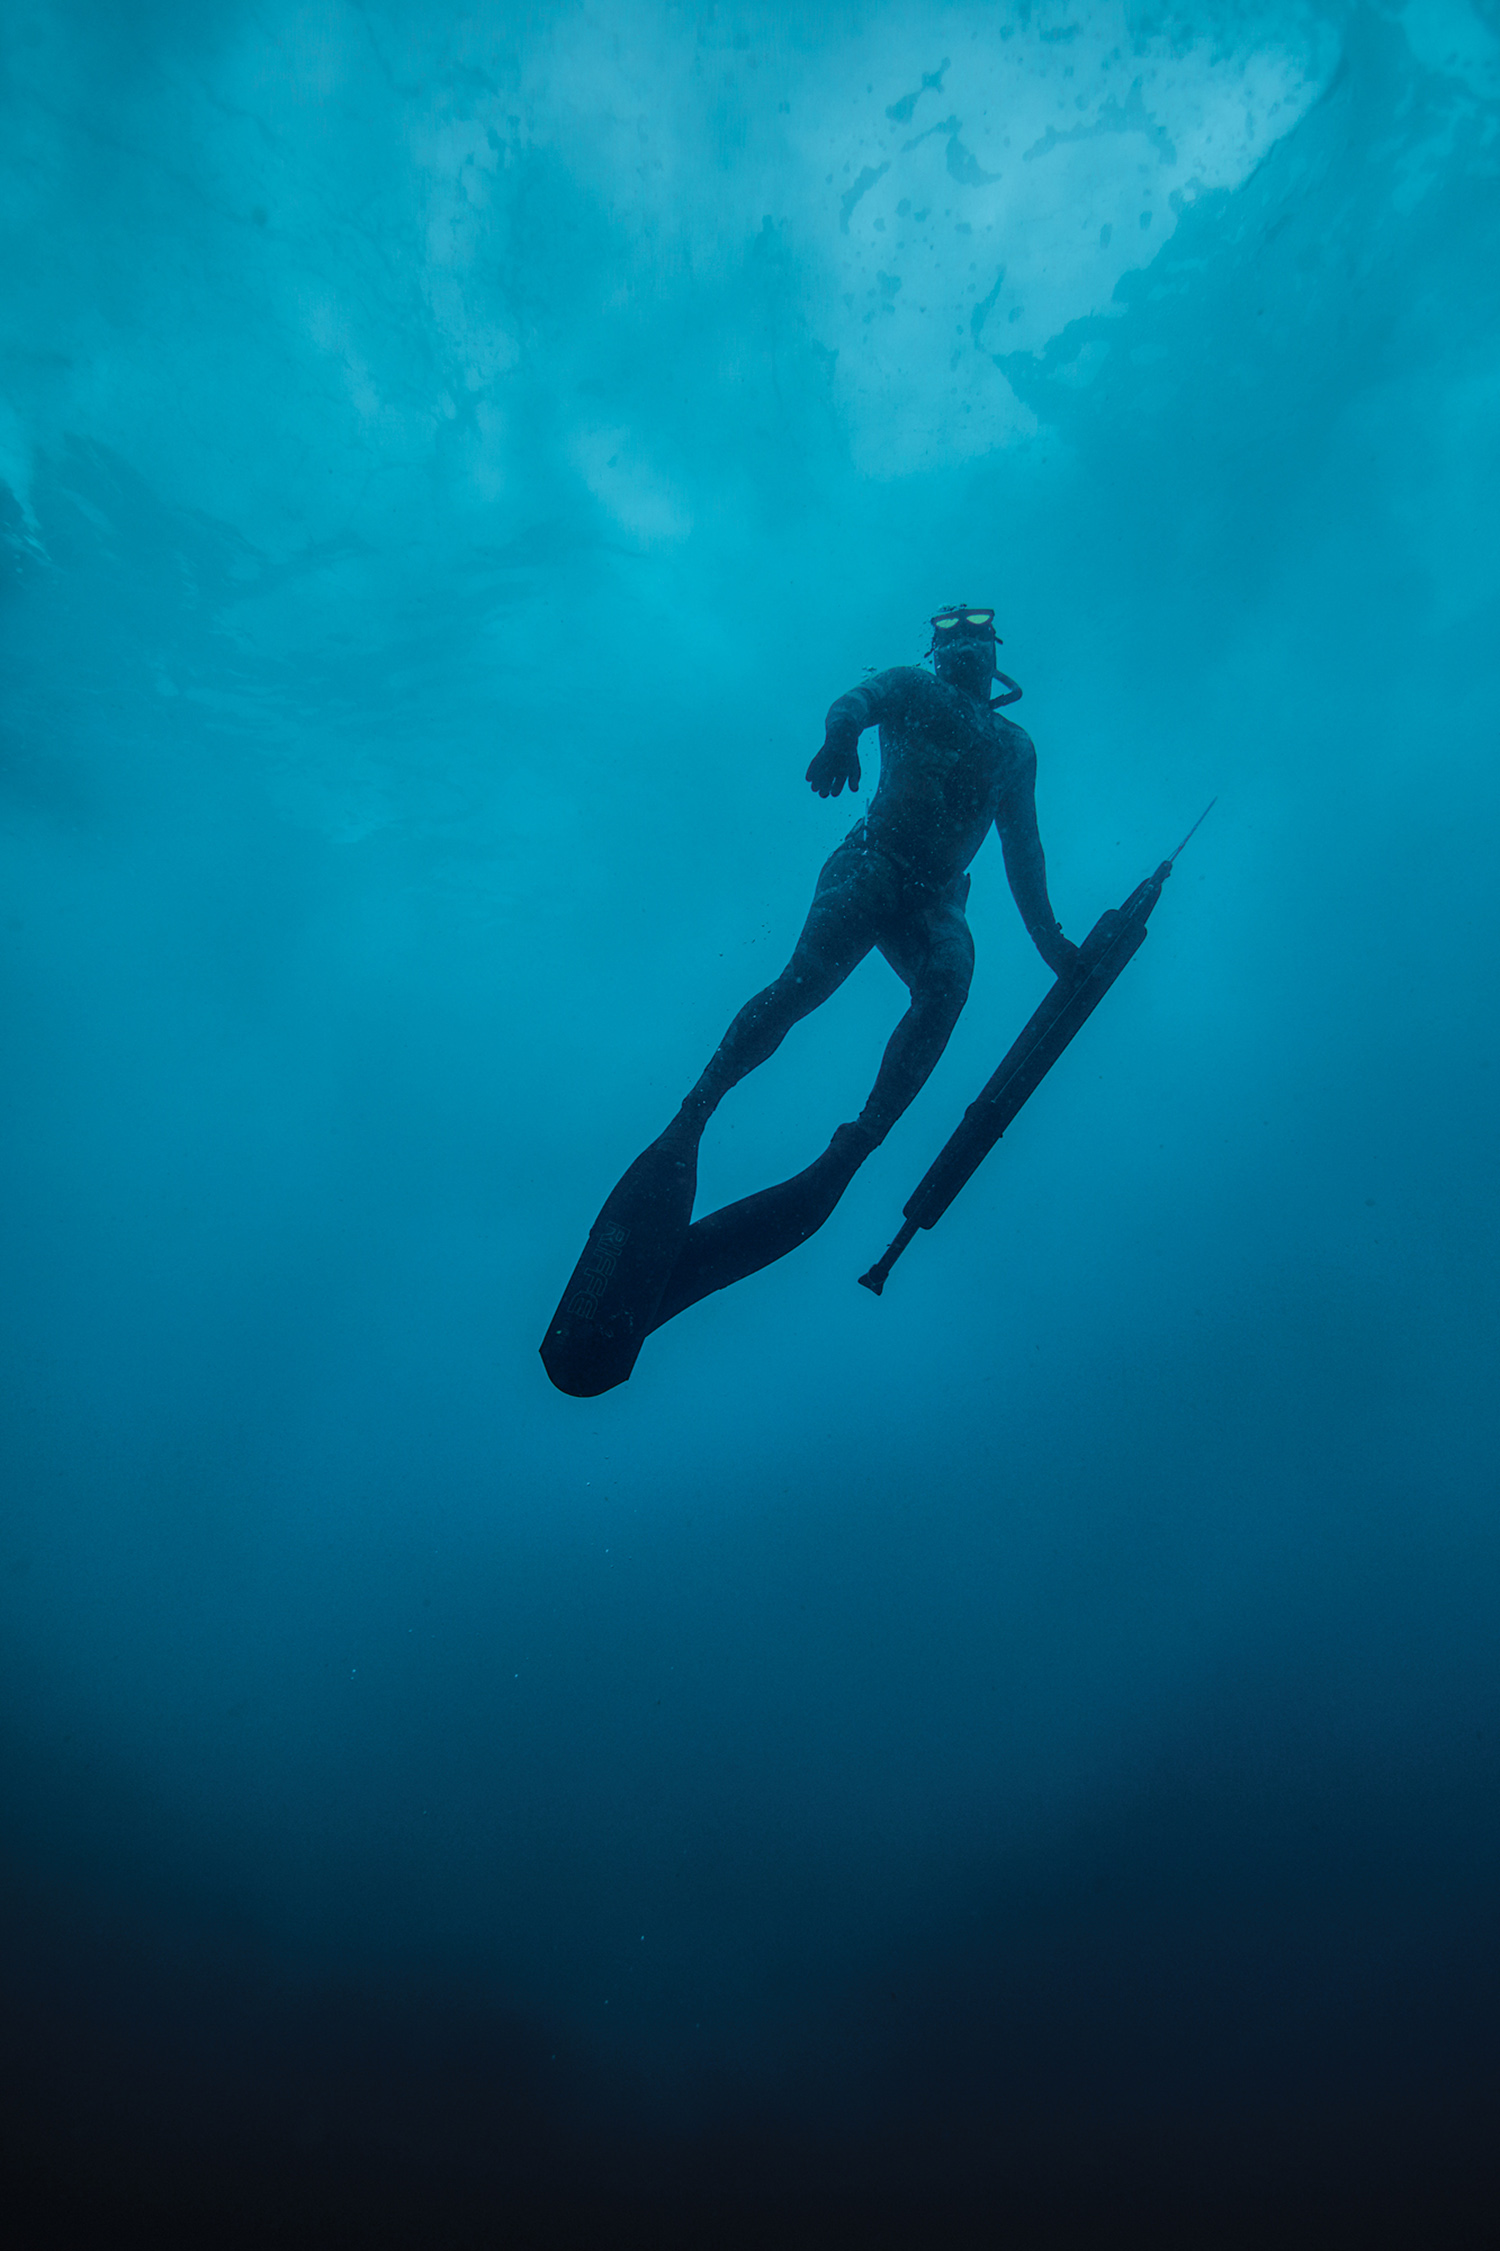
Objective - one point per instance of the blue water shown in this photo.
(1010, 1761)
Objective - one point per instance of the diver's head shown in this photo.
(963, 647)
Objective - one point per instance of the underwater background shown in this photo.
(1011, 1762)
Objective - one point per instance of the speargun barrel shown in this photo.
(1119, 934)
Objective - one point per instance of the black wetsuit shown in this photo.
(950, 765)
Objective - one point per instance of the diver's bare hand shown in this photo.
(836, 763)
(1060, 954)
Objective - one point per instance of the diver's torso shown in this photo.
(946, 763)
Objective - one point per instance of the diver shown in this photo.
(950, 765)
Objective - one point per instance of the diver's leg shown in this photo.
(838, 933)
(932, 953)
(644, 1260)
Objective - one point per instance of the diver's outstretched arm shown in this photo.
(877, 698)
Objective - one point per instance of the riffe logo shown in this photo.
(598, 1262)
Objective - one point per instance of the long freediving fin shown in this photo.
(609, 1307)
(739, 1239)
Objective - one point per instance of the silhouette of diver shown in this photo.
(950, 765)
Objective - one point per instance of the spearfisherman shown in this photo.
(950, 764)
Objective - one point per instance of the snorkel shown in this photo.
(961, 625)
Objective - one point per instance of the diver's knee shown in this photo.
(805, 984)
(948, 977)
(954, 971)
(942, 1001)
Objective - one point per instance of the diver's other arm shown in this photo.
(1025, 865)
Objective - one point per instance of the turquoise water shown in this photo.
(1016, 1755)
